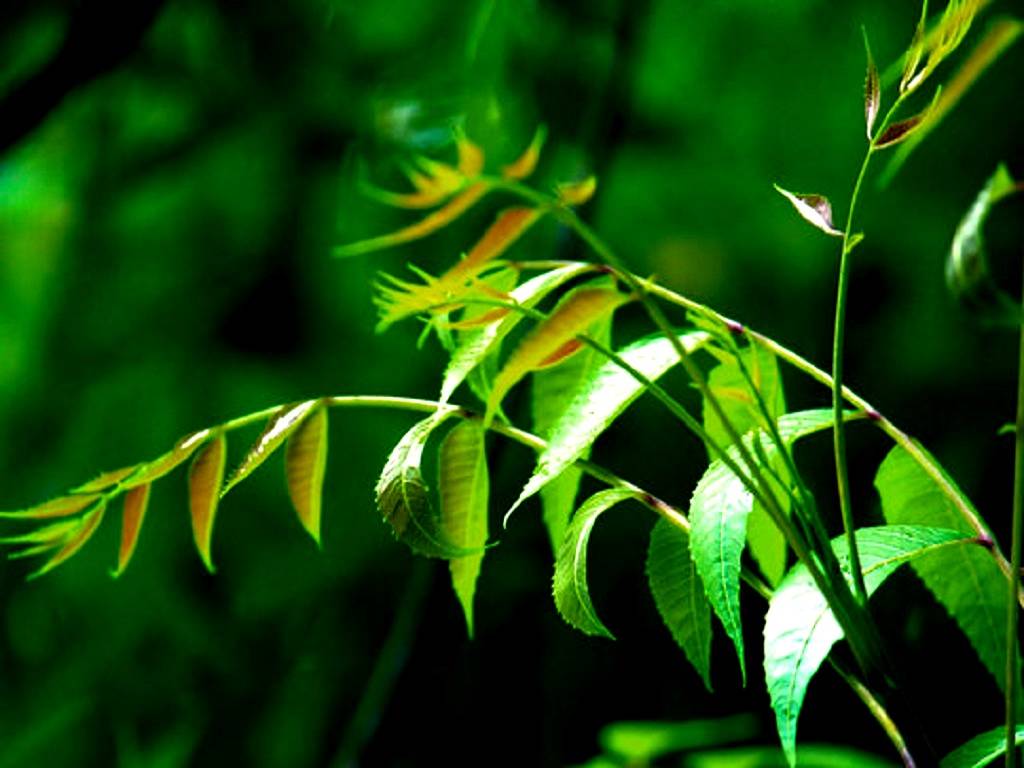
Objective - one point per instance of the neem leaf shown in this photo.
(983, 749)
(65, 506)
(599, 401)
(897, 132)
(914, 52)
(204, 485)
(966, 580)
(578, 310)
(156, 469)
(464, 488)
(305, 461)
(576, 192)
(800, 628)
(106, 480)
(281, 425)
(679, 595)
(813, 208)
(572, 595)
(641, 743)
(135, 502)
(719, 510)
(403, 499)
(525, 164)
(872, 88)
(75, 540)
(471, 157)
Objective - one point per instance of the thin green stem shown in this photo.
(1012, 644)
(877, 709)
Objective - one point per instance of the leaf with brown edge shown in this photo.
(74, 541)
(65, 506)
(135, 503)
(281, 425)
(204, 482)
(815, 209)
(526, 163)
(156, 469)
(443, 216)
(573, 315)
(106, 480)
(897, 132)
(872, 88)
(305, 461)
(576, 192)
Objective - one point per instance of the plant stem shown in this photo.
(880, 714)
(1012, 644)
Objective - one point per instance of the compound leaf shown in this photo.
(74, 540)
(305, 462)
(205, 478)
(135, 502)
(281, 425)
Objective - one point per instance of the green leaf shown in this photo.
(983, 749)
(811, 756)
(464, 488)
(403, 497)
(599, 401)
(572, 596)
(280, 426)
(976, 597)
(205, 478)
(637, 742)
(161, 466)
(305, 462)
(800, 630)
(74, 541)
(553, 390)
(679, 595)
(719, 511)
(134, 512)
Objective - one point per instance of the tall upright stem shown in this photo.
(1012, 647)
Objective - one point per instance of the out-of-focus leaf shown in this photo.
(62, 507)
(135, 502)
(983, 749)
(205, 477)
(73, 542)
(572, 595)
(800, 629)
(106, 480)
(305, 462)
(280, 426)
(939, 43)
(872, 89)
(577, 311)
(599, 401)
(471, 157)
(679, 595)
(576, 192)
(811, 756)
(526, 163)
(813, 208)
(464, 489)
(647, 741)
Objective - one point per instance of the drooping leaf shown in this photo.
(75, 541)
(976, 597)
(156, 469)
(305, 462)
(800, 628)
(403, 499)
(464, 488)
(553, 390)
(572, 594)
(679, 594)
(719, 510)
(280, 426)
(577, 311)
(983, 749)
(899, 131)
(576, 192)
(64, 506)
(599, 401)
(479, 343)
(106, 480)
(205, 477)
(135, 502)
(645, 742)
(47, 536)
(525, 164)
(471, 157)
(872, 88)
(813, 208)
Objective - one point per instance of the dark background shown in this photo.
(172, 178)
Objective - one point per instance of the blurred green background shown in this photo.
(172, 178)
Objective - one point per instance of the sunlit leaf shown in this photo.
(572, 594)
(156, 469)
(62, 507)
(471, 157)
(305, 461)
(679, 594)
(719, 511)
(800, 628)
(464, 489)
(205, 476)
(813, 208)
(915, 51)
(643, 742)
(977, 597)
(599, 401)
(983, 749)
(576, 192)
(872, 89)
(572, 316)
(526, 163)
(280, 426)
(74, 541)
(106, 480)
(135, 502)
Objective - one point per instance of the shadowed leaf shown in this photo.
(205, 476)
(641, 743)
(813, 208)
(898, 132)
(526, 163)
(983, 749)
(278, 429)
(305, 461)
(135, 502)
(872, 88)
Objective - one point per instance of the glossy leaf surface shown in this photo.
(983, 749)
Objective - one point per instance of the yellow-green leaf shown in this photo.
(75, 541)
(106, 480)
(471, 157)
(526, 163)
(65, 506)
(204, 483)
(281, 425)
(156, 469)
(305, 462)
(135, 502)
(576, 192)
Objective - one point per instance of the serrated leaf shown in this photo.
(983, 749)
(977, 597)
(280, 426)
(135, 502)
(464, 490)
(205, 476)
(526, 163)
(576, 192)
(815, 209)
(572, 594)
(106, 480)
(599, 401)
(157, 468)
(578, 310)
(75, 540)
(305, 462)
(478, 344)
(719, 511)
(800, 628)
(872, 88)
(403, 499)
(679, 595)
(65, 506)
